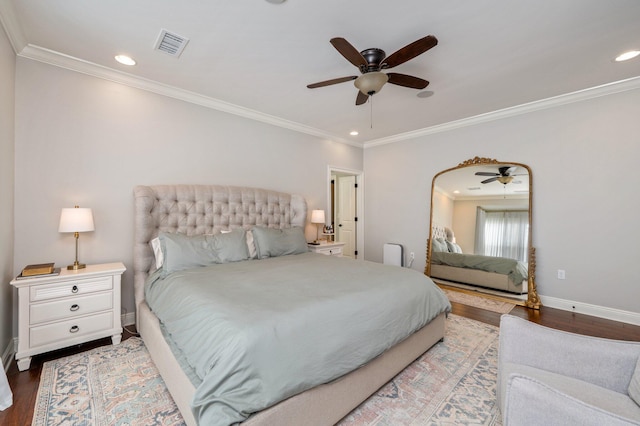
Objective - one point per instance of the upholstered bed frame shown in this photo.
(204, 209)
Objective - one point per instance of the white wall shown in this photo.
(584, 160)
(7, 97)
(87, 141)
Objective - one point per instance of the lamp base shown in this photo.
(76, 266)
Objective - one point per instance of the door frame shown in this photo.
(359, 174)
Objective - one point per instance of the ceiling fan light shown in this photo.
(505, 179)
(371, 82)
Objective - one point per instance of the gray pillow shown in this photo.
(439, 245)
(453, 247)
(279, 242)
(229, 246)
(183, 252)
(634, 386)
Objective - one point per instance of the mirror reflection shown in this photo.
(480, 233)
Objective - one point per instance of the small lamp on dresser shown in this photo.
(76, 220)
(317, 217)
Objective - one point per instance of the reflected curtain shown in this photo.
(502, 233)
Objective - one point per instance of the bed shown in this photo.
(214, 213)
(450, 264)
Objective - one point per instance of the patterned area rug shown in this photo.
(454, 383)
(479, 301)
(109, 385)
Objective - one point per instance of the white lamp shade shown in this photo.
(317, 216)
(76, 220)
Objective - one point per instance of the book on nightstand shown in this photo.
(38, 270)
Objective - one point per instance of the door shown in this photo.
(346, 214)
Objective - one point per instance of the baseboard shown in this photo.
(128, 318)
(593, 310)
(7, 354)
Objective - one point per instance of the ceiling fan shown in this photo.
(504, 176)
(370, 62)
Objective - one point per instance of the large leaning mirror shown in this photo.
(481, 227)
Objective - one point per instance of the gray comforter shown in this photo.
(516, 270)
(256, 332)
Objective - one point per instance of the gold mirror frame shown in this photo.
(533, 301)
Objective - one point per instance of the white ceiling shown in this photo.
(255, 58)
(464, 184)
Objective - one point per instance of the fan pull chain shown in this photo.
(371, 111)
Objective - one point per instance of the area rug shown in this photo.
(479, 302)
(454, 383)
(109, 385)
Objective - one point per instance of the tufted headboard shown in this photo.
(439, 231)
(204, 209)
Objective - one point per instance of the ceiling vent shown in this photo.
(171, 43)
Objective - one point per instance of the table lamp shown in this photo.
(317, 217)
(76, 220)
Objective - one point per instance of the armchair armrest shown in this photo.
(603, 362)
(530, 402)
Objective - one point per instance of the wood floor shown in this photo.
(25, 384)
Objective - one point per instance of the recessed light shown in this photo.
(425, 94)
(627, 55)
(456, 192)
(354, 133)
(125, 60)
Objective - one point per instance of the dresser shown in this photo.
(71, 308)
(329, 249)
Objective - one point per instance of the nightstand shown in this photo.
(71, 308)
(329, 249)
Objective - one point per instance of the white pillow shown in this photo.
(253, 252)
(157, 252)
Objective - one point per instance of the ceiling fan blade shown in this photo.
(507, 170)
(330, 82)
(349, 52)
(493, 179)
(407, 81)
(361, 98)
(410, 51)
(486, 174)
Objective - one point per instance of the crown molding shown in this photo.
(11, 27)
(57, 59)
(578, 96)
(23, 49)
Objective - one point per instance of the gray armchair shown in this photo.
(551, 377)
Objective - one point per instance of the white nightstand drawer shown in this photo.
(75, 327)
(70, 288)
(70, 307)
(330, 251)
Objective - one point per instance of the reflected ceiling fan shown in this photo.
(505, 175)
(370, 62)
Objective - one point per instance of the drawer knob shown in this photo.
(74, 307)
(74, 289)
(74, 329)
